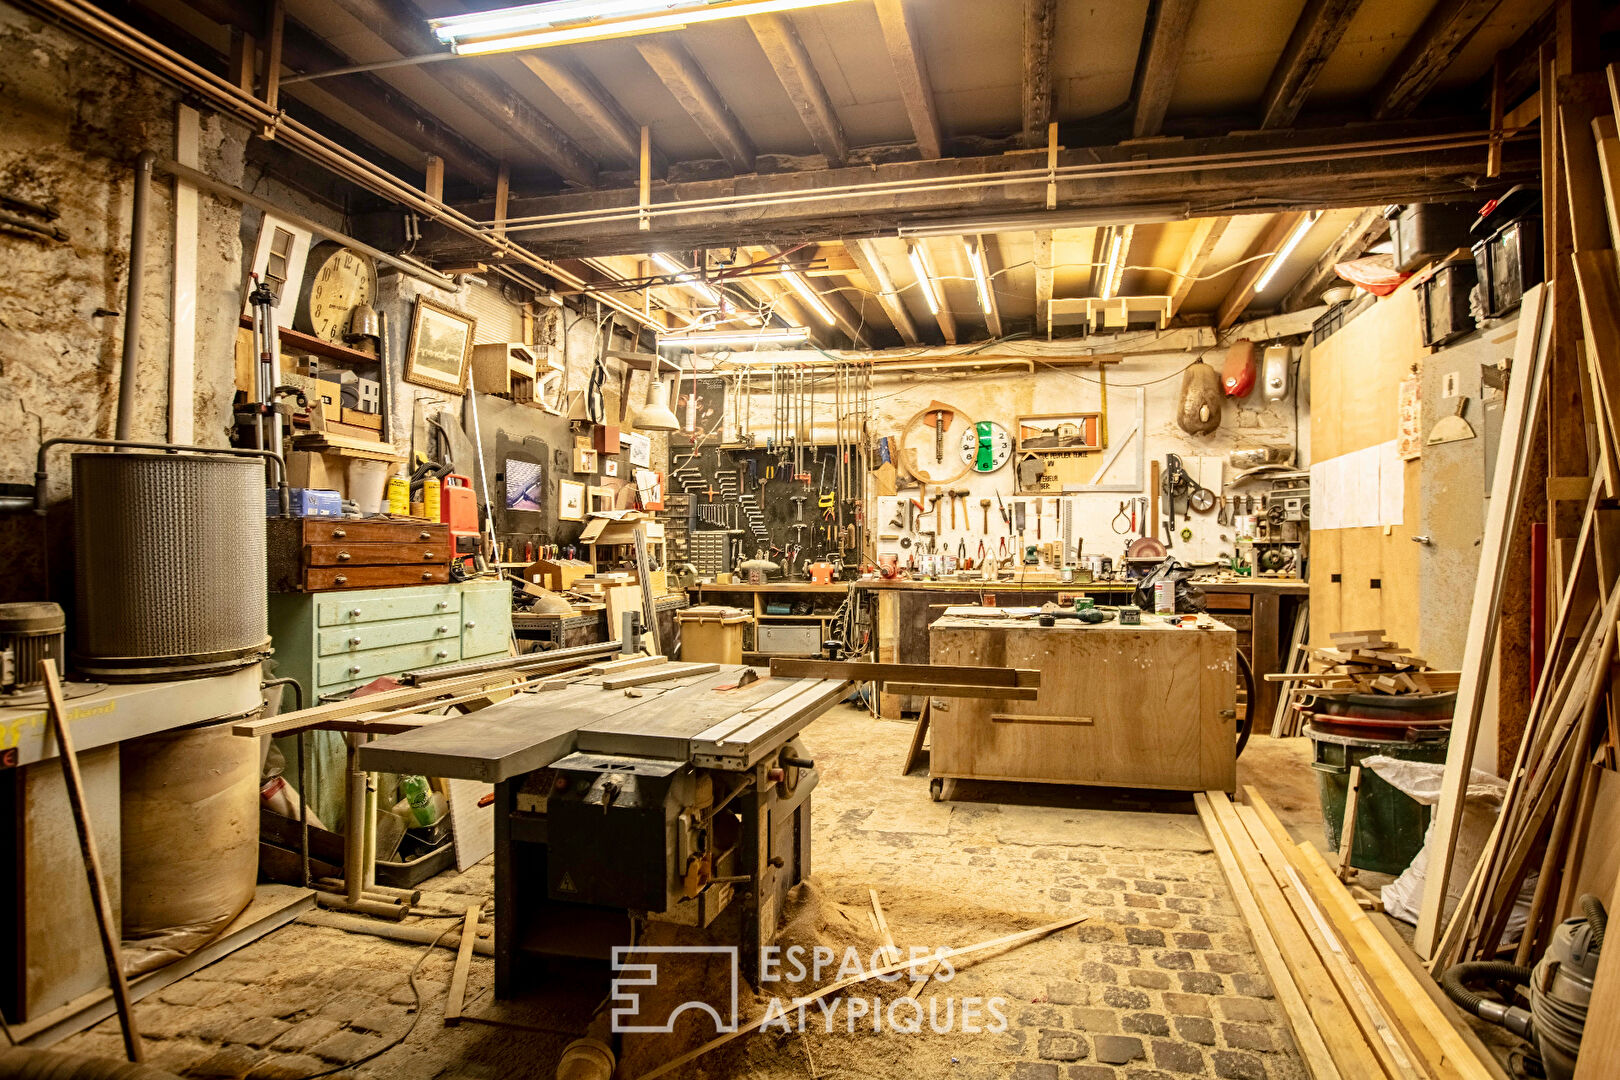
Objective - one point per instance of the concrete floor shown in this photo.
(1159, 980)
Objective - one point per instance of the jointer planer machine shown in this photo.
(688, 805)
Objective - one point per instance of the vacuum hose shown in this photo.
(1514, 1019)
(1596, 918)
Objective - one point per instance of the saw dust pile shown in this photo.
(865, 1029)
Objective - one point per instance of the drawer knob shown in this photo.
(342, 580)
(338, 534)
(354, 641)
(424, 535)
(343, 556)
(427, 555)
(441, 654)
(427, 575)
(354, 670)
(441, 629)
(471, 624)
(442, 604)
(354, 613)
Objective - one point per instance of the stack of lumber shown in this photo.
(1360, 1005)
(1359, 662)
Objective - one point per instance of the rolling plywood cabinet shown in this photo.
(1150, 706)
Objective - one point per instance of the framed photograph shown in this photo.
(1060, 433)
(440, 348)
(610, 466)
(570, 500)
(523, 480)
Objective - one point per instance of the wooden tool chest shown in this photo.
(321, 554)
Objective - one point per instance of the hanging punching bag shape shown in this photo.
(1237, 376)
(1200, 410)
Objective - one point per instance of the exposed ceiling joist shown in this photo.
(1316, 34)
(692, 90)
(1369, 227)
(845, 318)
(302, 51)
(1040, 23)
(1207, 233)
(870, 262)
(1255, 173)
(794, 68)
(1165, 41)
(911, 71)
(1044, 273)
(496, 101)
(1242, 291)
(1426, 57)
(992, 309)
(586, 98)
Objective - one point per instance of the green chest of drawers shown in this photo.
(333, 642)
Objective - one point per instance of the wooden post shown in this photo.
(434, 184)
(646, 178)
(272, 60)
(1347, 830)
(111, 947)
(503, 191)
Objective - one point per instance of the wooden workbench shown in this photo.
(1151, 706)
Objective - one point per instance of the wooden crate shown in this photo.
(1148, 706)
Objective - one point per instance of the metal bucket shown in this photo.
(170, 577)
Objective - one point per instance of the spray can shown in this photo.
(399, 495)
(430, 499)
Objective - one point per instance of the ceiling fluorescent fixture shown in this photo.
(797, 283)
(1073, 219)
(1118, 248)
(981, 280)
(569, 22)
(925, 282)
(791, 335)
(1293, 241)
(684, 276)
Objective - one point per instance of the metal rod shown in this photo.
(134, 301)
(280, 472)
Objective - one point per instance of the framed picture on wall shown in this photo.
(440, 348)
(570, 500)
(1060, 433)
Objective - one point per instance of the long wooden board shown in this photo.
(920, 674)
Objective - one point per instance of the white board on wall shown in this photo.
(1361, 489)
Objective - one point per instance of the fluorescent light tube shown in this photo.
(539, 30)
(791, 335)
(809, 296)
(684, 276)
(1293, 241)
(924, 280)
(975, 254)
(539, 16)
(1114, 249)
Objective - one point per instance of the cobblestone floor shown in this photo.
(1159, 981)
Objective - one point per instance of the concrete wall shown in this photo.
(1004, 395)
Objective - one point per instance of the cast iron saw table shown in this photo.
(687, 804)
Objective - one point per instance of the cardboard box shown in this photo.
(606, 438)
(306, 469)
(558, 575)
(305, 502)
(358, 418)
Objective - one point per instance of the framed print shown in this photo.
(440, 348)
(570, 500)
(1060, 433)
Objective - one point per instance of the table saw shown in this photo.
(688, 804)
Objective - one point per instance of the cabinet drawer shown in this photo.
(368, 665)
(321, 578)
(318, 531)
(486, 618)
(395, 604)
(361, 554)
(381, 635)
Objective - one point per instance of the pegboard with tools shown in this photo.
(755, 498)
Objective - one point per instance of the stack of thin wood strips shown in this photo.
(1358, 1000)
(1360, 662)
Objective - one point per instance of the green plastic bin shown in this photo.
(1389, 823)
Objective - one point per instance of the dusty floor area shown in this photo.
(1158, 980)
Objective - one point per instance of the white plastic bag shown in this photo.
(1423, 780)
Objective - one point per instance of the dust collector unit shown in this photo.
(29, 632)
(170, 565)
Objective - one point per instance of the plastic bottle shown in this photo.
(430, 499)
(419, 795)
(399, 495)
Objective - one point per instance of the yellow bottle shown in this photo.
(399, 495)
(430, 499)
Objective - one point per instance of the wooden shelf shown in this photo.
(300, 342)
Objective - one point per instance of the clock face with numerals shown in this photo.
(336, 280)
(986, 446)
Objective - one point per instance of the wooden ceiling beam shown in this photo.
(588, 100)
(992, 309)
(870, 262)
(1408, 80)
(799, 78)
(1317, 32)
(1207, 233)
(497, 102)
(1368, 228)
(695, 93)
(1162, 48)
(1243, 289)
(1040, 25)
(845, 318)
(911, 71)
(1045, 271)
